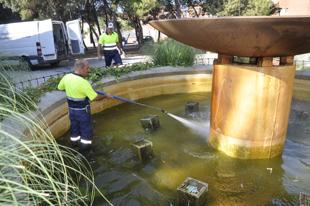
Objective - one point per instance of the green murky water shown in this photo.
(179, 153)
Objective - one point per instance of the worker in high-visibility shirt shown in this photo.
(79, 94)
(111, 47)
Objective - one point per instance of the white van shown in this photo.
(41, 42)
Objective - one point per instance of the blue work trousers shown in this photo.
(81, 124)
(110, 55)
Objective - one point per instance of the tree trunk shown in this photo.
(82, 31)
(178, 8)
(96, 18)
(91, 35)
(94, 32)
(117, 28)
(190, 3)
(158, 37)
(138, 29)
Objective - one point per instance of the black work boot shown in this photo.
(87, 151)
(84, 148)
(74, 144)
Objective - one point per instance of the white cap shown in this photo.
(110, 25)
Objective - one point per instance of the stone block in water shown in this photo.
(191, 107)
(143, 149)
(192, 192)
(150, 123)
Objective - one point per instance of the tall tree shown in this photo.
(246, 8)
(213, 7)
(7, 15)
(135, 9)
(259, 8)
(234, 8)
(178, 8)
(63, 10)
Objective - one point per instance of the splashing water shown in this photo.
(199, 128)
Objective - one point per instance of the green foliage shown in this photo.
(125, 25)
(246, 8)
(259, 8)
(35, 9)
(26, 100)
(14, 98)
(34, 169)
(213, 6)
(50, 85)
(137, 7)
(11, 97)
(7, 15)
(173, 53)
(97, 74)
(234, 7)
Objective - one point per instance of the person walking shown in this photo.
(111, 47)
(79, 94)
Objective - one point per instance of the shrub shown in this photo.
(34, 169)
(30, 96)
(173, 53)
(96, 74)
(11, 97)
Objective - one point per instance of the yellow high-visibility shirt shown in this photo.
(109, 42)
(77, 87)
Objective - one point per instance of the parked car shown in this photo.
(41, 42)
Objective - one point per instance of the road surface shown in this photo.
(67, 66)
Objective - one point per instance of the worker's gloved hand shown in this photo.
(103, 94)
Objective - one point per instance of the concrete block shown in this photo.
(143, 149)
(192, 192)
(150, 123)
(191, 107)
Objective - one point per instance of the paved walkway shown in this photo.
(67, 66)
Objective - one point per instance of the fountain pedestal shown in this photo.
(250, 106)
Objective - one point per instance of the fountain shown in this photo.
(250, 103)
(135, 167)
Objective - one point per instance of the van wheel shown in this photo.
(55, 64)
(25, 60)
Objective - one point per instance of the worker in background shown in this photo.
(111, 47)
(79, 94)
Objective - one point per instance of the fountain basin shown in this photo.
(231, 181)
(145, 84)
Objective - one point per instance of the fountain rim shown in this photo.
(52, 109)
(233, 17)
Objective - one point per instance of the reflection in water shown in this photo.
(180, 152)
